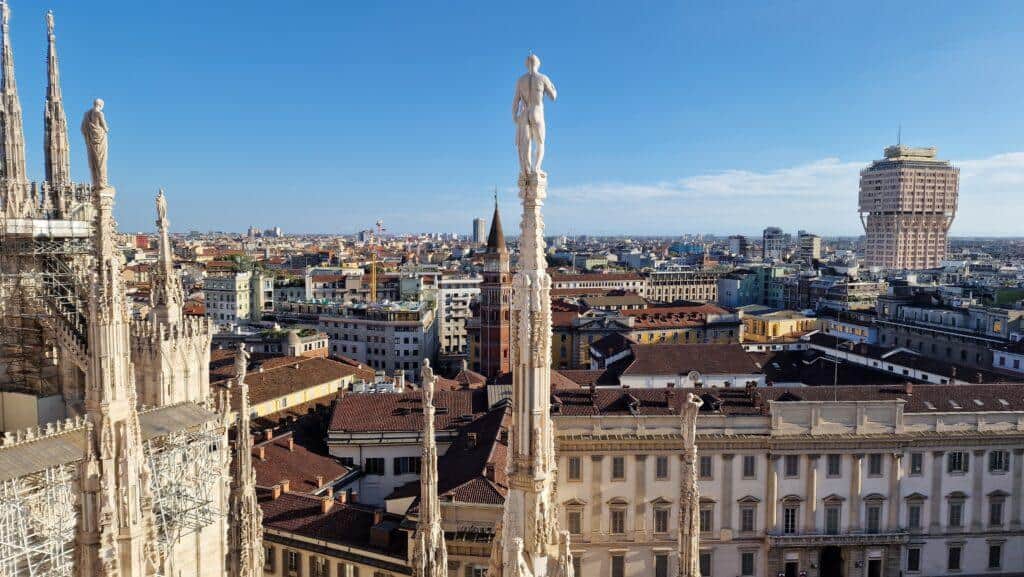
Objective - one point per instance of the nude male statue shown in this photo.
(528, 114)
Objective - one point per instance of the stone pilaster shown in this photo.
(771, 506)
(727, 492)
(895, 490)
(936, 498)
(977, 489)
(1018, 486)
(856, 482)
(811, 490)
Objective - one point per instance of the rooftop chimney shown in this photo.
(276, 492)
(286, 485)
(291, 444)
(908, 388)
(489, 471)
(325, 504)
(378, 516)
(319, 481)
(261, 452)
(268, 434)
(471, 439)
(342, 497)
(353, 496)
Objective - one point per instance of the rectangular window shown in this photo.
(660, 565)
(956, 462)
(747, 563)
(407, 465)
(705, 467)
(374, 466)
(789, 518)
(875, 465)
(995, 556)
(914, 516)
(835, 465)
(317, 567)
(661, 467)
(618, 566)
(292, 562)
(661, 520)
(832, 516)
(748, 519)
(749, 466)
(916, 464)
(995, 513)
(874, 518)
(705, 563)
(707, 517)
(913, 560)
(956, 514)
(575, 469)
(618, 468)
(618, 521)
(268, 559)
(953, 558)
(792, 464)
(998, 461)
(575, 522)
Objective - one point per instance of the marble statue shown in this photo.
(528, 114)
(94, 129)
(241, 363)
(161, 208)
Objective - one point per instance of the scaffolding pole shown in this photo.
(37, 524)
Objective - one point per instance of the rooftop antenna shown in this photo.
(899, 134)
(495, 195)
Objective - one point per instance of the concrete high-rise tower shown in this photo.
(907, 204)
(479, 231)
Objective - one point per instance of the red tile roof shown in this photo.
(286, 459)
(676, 359)
(366, 412)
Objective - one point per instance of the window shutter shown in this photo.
(398, 465)
(967, 461)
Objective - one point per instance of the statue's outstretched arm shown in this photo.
(550, 86)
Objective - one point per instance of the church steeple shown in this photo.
(430, 557)
(245, 532)
(496, 238)
(55, 121)
(13, 173)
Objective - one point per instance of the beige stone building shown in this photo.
(907, 204)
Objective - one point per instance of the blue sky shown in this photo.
(672, 117)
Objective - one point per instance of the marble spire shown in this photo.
(531, 543)
(117, 535)
(430, 556)
(13, 173)
(689, 497)
(165, 297)
(245, 532)
(56, 147)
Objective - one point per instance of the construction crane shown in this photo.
(378, 242)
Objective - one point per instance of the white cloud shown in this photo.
(820, 196)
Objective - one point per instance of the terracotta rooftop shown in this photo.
(383, 412)
(345, 523)
(284, 458)
(675, 359)
(472, 470)
(279, 375)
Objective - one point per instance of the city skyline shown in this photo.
(689, 113)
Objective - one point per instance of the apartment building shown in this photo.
(454, 296)
(228, 298)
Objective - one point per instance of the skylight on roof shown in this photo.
(954, 404)
(979, 403)
(1004, 402)
(929, 405)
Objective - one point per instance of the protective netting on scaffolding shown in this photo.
(187, 474)
(37, 524)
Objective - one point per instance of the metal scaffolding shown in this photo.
(187, 470)
(37, 524)
(44, 286)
